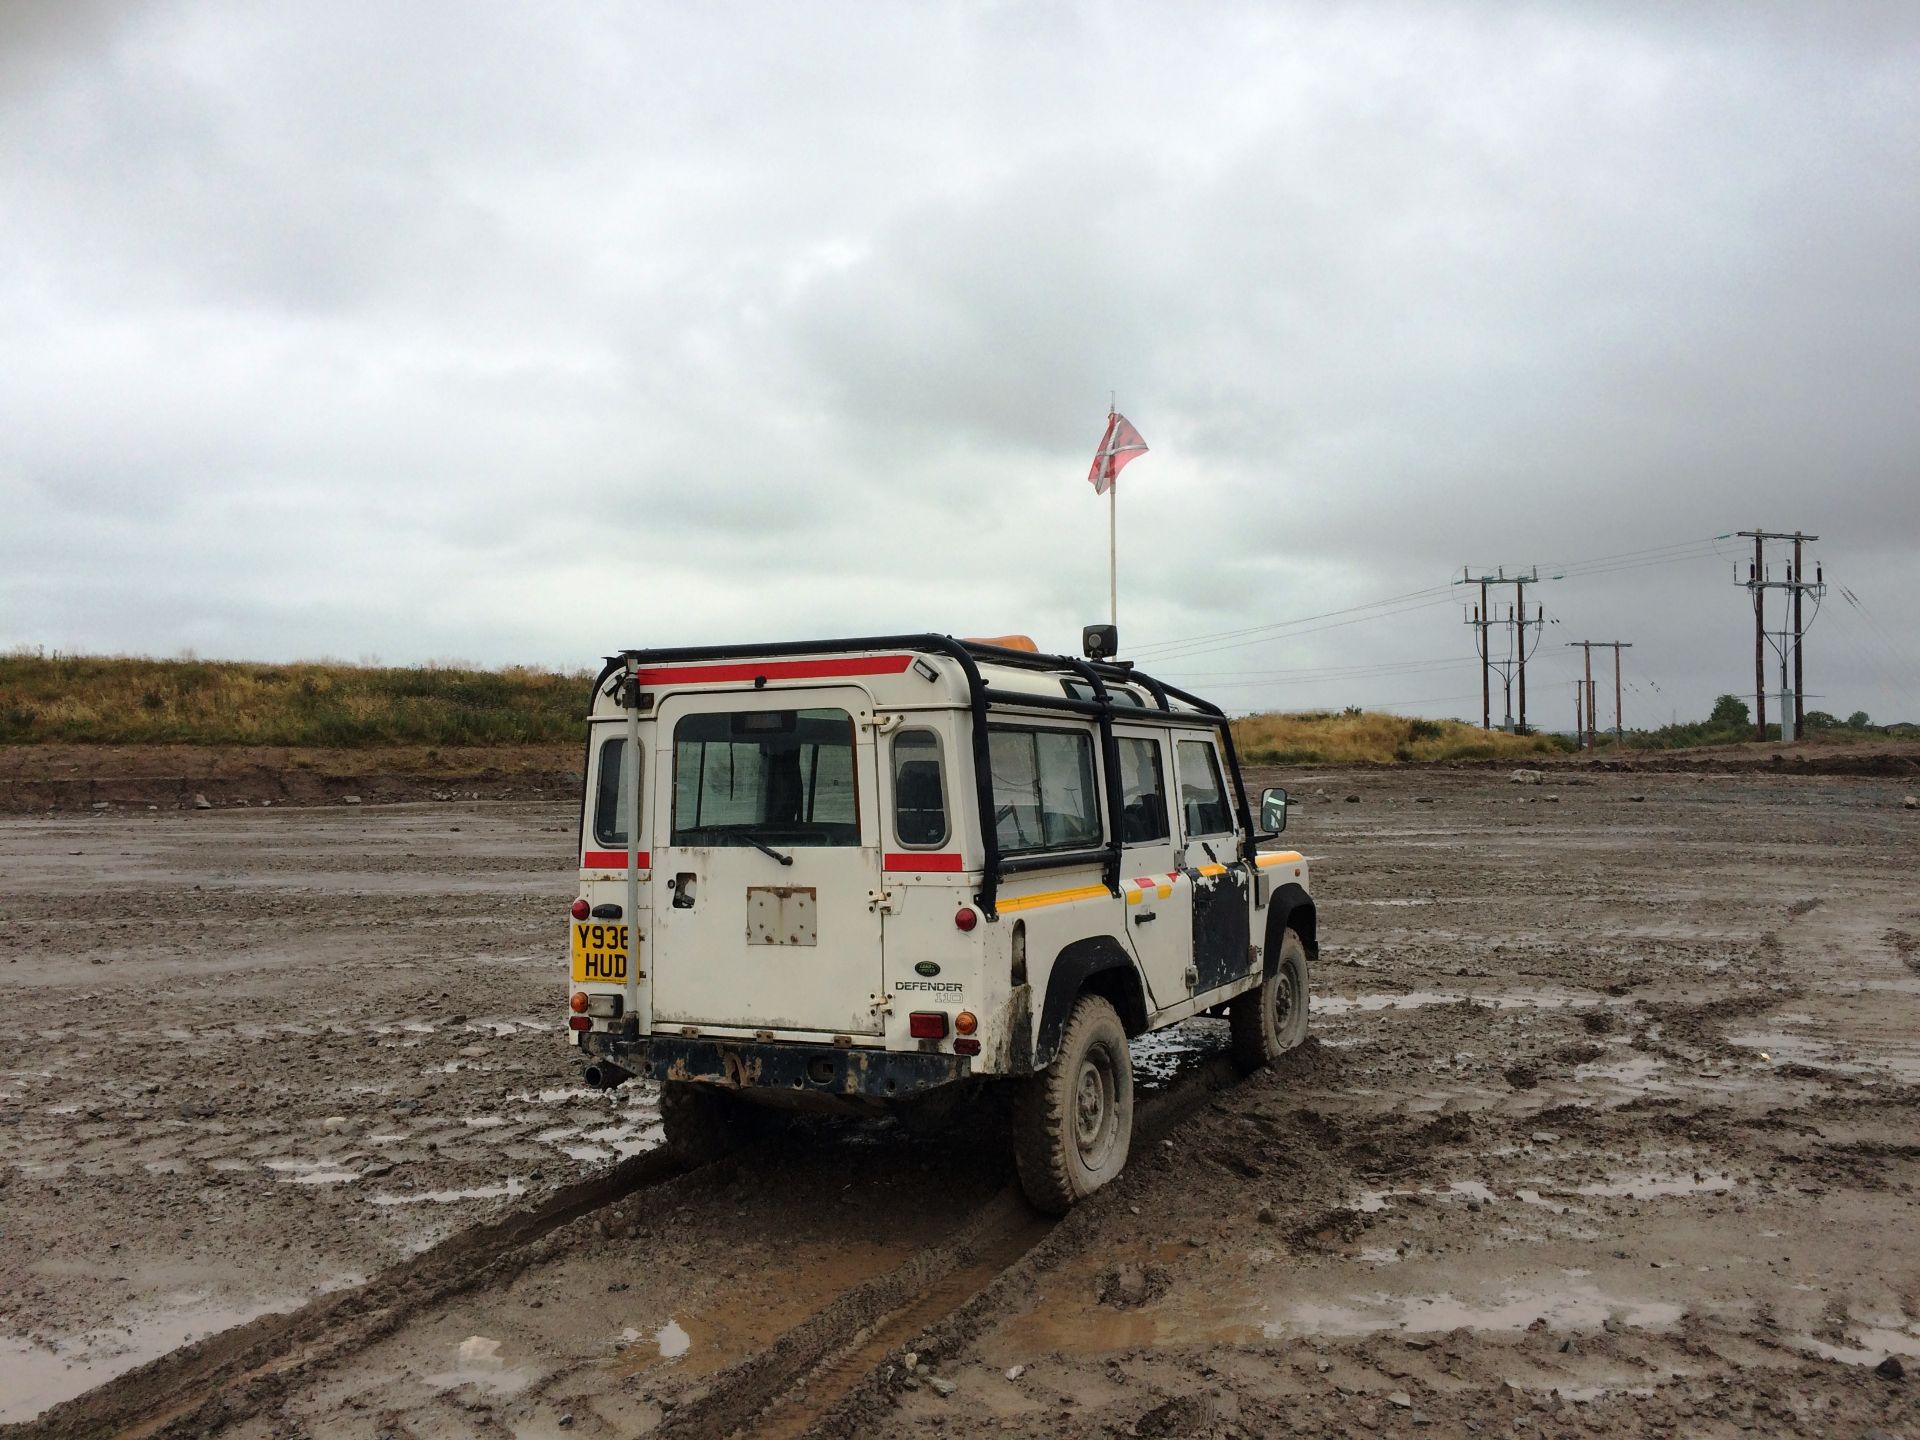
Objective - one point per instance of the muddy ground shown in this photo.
(1611, 1124)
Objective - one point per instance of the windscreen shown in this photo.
(783, 777)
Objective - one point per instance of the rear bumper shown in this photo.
(781, 1065)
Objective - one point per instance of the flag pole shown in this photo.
(1113, 551)
(1113, 527)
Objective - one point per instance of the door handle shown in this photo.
(1145, 917)
(682, 886)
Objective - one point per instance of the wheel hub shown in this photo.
(1093, 1109)
(1283, 999)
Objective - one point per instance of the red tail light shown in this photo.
(581, 909)
(965, 919)
(579, 1022)
(927, 1025)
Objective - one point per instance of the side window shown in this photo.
(1044, 796)
(1143, 790)
(919, 793)
(1203, 801)
(610, 796)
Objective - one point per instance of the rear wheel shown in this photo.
(701, 1122)
(1270, 1019)
(1073, 1124)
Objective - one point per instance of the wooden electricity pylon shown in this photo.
(1587, 648)
(1520, 644)
(1792, 628)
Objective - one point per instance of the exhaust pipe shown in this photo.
(602, 1076)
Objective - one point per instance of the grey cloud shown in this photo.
(447, 330)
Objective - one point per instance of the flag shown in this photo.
(1120, 444)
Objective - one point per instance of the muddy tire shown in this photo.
(1271, 1019)
(1073, 1124)
(701, 1123)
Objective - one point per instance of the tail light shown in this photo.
(966, 1047)
(581, 909)
(579, 1022)
(927, 1025)
(578, 1003)
(965, 919)
(966, 1022)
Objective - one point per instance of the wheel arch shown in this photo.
(1097, 965)
(1291, 908)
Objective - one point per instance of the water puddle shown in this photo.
(40, 1375)
(1070, 1320)
(513, 1185)
(750, 1315)
(312, 1172)
(1650, 1185)
(1782, 1048)
(1419, 999)
(1372, 1201)
(1163, 1055)
(1876, 1343)
(1631, 1072)
(1564, 1307)
(478, 1364)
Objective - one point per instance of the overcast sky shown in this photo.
(516, 333)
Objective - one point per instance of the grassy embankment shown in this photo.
(1368, 737)
(130, 701)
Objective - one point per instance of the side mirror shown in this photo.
(1273, 810)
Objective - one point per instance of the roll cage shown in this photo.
(968, 654)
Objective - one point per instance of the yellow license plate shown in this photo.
(599, 953)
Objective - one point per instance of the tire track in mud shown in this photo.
(230, 1376)
(810, 1373)
(216, 1381)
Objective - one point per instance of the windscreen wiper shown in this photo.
(765, 849)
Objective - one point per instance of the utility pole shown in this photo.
(1793, 712)
(1486, 698)
(1619, 730)
(1587, 648)
(1799, 689)
(1520, 584)
(1519, 643)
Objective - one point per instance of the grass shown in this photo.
(1367, 737)
(126, 700)
(132, 701)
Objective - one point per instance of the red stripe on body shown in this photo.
(910, 862)
(835, 669)
(611, 860)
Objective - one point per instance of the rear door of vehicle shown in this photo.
(766, 848)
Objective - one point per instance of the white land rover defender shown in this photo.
(857, 871)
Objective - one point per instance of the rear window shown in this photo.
(777, 776)
(610, 796)
(1043, 789)
(919, 791)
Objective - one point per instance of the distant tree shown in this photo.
(1821, 720)
(1858, 720)
(1730, 713)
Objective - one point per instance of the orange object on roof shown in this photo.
(1006, 642)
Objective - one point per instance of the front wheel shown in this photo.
(1073, 1124)
(1271, 1019)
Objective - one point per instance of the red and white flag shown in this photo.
(1120, 444)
